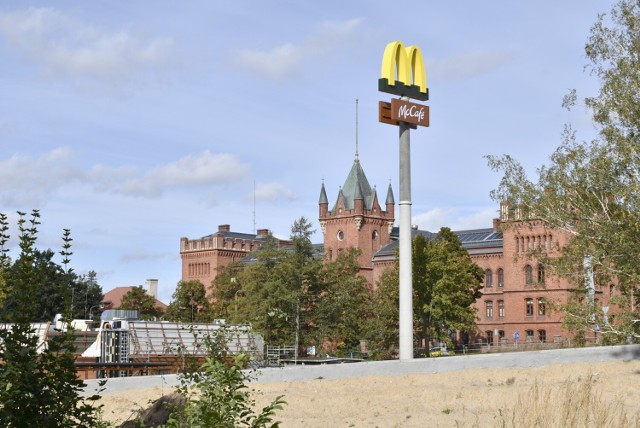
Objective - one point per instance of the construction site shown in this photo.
(122, 345)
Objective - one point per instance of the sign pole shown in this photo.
(403, 74)
(406, 276)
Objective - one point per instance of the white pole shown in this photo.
(406, 278)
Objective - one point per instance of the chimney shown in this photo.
(152, 288)
(224, 228)
(262, 232)
(496, 224)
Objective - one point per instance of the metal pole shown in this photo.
(406, 278)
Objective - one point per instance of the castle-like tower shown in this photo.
(356, 220)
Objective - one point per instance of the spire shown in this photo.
(357, 130)
(323, 195)
(357, 186)
(390, 200)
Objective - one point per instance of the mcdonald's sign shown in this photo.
(403, 72)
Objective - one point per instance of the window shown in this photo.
(540, 274)
(501, 308)
(374, 235)
(529, 305)
(340, 235)
(500, 335)
(488, 278)
(489, 337)
(500, 277)
(528, 275)
(529, 335)
(489, 307)
(542, 335)
(542, 307)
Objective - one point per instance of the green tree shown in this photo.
(341, 308)
(38, 387)
(139, 300)
(590, 191)
(55, 291)
(446, 283)
(382, 325)
(273, 291)
(189, 303)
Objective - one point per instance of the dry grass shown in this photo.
(575, 403)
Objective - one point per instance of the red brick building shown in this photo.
(201, 257)
(357, 220)
(518, 295)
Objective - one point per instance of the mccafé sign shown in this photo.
(403, 74)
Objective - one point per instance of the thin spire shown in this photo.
(356, 129)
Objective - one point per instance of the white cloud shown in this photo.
(280, 62)
(467, 65)
(452, 218)
(143, 255)
(202, 169)
(276, 64)
(65, 47)
(30, 180)
(273, 191)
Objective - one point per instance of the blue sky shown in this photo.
(136, 123)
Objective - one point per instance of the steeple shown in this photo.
(323, 195)
(357, 130)
(390, 200)
(357, 186)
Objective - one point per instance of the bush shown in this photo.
(217, 396)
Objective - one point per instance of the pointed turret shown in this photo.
(390, 200)
(357, 185)
(323, 202)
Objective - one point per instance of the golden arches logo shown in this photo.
(403, 72)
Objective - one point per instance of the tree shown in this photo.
(382, 325)
(38, 387)
(216, 394)
(138, 299)
(189, 303)
(274, 291)
(340, 311)
(446, 283)
(590, 191)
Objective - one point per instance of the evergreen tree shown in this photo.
(39, 386)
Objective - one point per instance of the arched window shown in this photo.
(530, 336)
(500, 277)
(542, 307)
(489, 337)
(542, 335)
(489, 307)
(488, 278)
(529, 307)
(540, 274)
(501, 308)
(528, 275)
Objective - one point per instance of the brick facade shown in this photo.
(356, 220)
(202, 257)
(518, 296)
